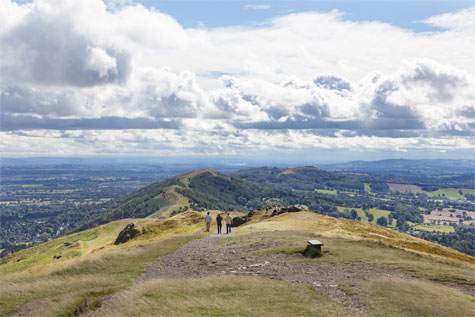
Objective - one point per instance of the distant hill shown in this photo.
(300, 178)
(203, 189)
(406, 167)
(445, 173)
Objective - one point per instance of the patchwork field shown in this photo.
(450, 193)
(450, 215)
(402, 187)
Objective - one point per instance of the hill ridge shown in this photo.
(356, 257)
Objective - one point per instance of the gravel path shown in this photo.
(205, 257)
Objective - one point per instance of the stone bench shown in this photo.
(313, 249)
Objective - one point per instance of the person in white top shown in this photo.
(208, 222)
(229, 222)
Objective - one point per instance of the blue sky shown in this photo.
(406, 14)
(299, 79)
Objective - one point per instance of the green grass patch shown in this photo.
(326, 191)
(432, 228)
(377, 213)
(66, 247)
(367, 188)
(360, 212)
(442, 193)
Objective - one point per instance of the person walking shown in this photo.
(229, 222)
(208, 222)
(219, 221)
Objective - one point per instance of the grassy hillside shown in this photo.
(300, 178)
(437, 280)
(203, 189)
(89, 266)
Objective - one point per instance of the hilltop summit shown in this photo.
(364, 270)
(194, 190)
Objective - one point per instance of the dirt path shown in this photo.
(205, 257)
(166, 212)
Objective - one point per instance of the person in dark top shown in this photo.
(219, 222)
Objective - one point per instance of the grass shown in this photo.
(326, 191)
(377, 213)
(360, 212)
(347, 289)
(344, 250)
(224, 296)
(82, 280)
(397, 297)
(367, 188)
(90, 264)
(98, 239)
(67, 247)
(328, 227)
(448, 193)
(432, 228)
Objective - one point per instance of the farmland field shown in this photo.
(450, 193)
(402, 187)
(431, 228)
(377, 213)
(326, 191)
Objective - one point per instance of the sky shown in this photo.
(323, 80)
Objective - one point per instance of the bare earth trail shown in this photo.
(206, 256)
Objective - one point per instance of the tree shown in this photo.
(370, 217)
(382, 221)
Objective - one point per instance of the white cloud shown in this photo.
(257, 6)
(461, 21)
(294, 82)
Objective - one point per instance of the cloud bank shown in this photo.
(85, 77)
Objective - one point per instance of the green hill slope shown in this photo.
(300, 178)
(203, 189)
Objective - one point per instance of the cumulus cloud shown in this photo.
(45, 48)
(293, 81)
(332, 82)
(458, 21)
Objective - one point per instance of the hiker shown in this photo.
(208, 222)
(276, 210)
(229, 221)
(219, 221)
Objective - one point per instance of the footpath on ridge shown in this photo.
(206, 256)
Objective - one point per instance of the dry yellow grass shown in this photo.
(40, 258)
(223, 296)
(84, 276)
(397, 297)
(32, 276)
(352, 230)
